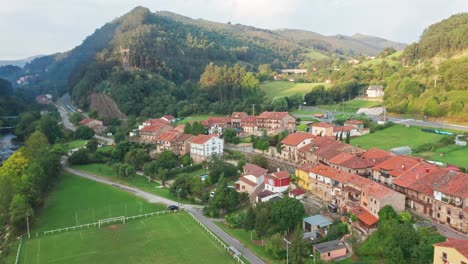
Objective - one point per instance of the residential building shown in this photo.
(330, 250)
(291, 144)
(302, 174)
(343, 131)
(358, 124)
(252, 179)
(352, 163)
(375, 91)
(249, 125)
(306, 154)
(94, 124)
(217, 124)
(267, 195)
(151, 122)
(386, 172)
(173, 140)
(316, 223)
(169, 118)
(451, 251)
(236, 118)
(276, 122)
(297, 194)
(150, 133)
(322, 129)
(442, 195)
(203, 147)
(277, 181)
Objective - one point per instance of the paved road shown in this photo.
(192, 209)
(64, 107)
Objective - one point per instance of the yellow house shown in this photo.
(303, 179)
(452, 251)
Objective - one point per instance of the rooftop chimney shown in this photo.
(278, 169)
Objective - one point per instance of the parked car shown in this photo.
(173, 207)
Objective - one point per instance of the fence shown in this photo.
(222, 243)
(19, 250)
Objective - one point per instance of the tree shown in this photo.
(262, 222)
(79, 157)
(275, 246)
(348, 137)
(137, 158)
(75, 118)
(49, 126)
(19, 208)
(83, 132)
(260, 160)
(297, 249)
(150, 170)
(93, 114)
(249, 223)
(188, 128)
(36, 144)
(230, 136)
(287, 213)
(163, 175)
(387, 213)
(166, 160)
(92, 145)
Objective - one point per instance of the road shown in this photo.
(402, 121)
(65, 107)
(192, 209)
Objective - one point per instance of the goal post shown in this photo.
(111, 220)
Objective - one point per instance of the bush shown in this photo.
(187, 169)
(81, 156)
(235, 220)
(83, 132)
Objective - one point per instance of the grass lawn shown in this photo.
(395, 136)
(139, 182)
(74, 144)
(194, 118)
(456, 155)
(244, 237)
(284, 88)
(174, 238)
(361, 260)
(350, 106)
(76, 200)
(306, 112)
(315, 55)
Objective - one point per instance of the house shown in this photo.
(330, 250)
(306, 154)
(451, 251)
(151, 132)
(94, 124)
(375, 196)
(375, 91)
(276, 122)
(249, 125)
(266, 195)
(277, 181)
(358, 124)
(297, 194)
(236, 118)
(203, 147)
(291, 144)
(316, 223)
(151, 122)
(252, 179)
(342, 131)
(302, 173)
(173, 140)
(352, 163)
(169, 118)
(322, 129)
(442, 195)
(216, 124)
(366, 220)
(387, 171)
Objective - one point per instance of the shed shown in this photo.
(316, 223)
(405, 150)
(331, 250)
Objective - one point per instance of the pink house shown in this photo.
(330, 250)
(277, 181)
(253, 177)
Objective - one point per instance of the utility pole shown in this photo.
(253, 109)
(287, 249)
(27, 224)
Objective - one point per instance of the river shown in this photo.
(8, 146)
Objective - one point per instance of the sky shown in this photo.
(33, 27)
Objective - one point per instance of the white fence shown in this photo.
(222, 243)
(19, 250)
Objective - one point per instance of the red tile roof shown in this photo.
(338, 129)
(340, 158)
(212, 120)
(363, 215)
(397, 165)
(295, 139)
(180, 128)
(168, 136)
(247, 181)
(297, 192)
(169, 117)
(273, 115)
(155, 127)
(156, 121)
(354, 122)
(249, 119)
(377, 190)
(461, 245)
(201, 139)
(279, 175)
(443, 180)
(86, 121)
(307, 167)
(357, 162)
(238, 115)
(419, 171)
(374, 153)
(329, 151)
(325, 171)
(252, 169)
(322, 125)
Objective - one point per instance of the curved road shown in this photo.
(192, 209)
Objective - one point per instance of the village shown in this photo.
(318, 165)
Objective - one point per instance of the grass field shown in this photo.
(315, 55)
(174, 238)
(456, 155)
(77, 200)
(284, 88)
(74, 144)
(395, 136)
(244, 237)
(139, 182)
(350, 106)
(194, 118)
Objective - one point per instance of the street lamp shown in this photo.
(287, 249)
(178, 196)
(312, 255)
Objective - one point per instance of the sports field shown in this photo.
(174, 238)
(284, 88)
(396, 136)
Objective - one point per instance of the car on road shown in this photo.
(173, 207)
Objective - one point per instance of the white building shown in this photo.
(375, 91)
(202, 147)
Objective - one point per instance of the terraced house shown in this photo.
(292, 143)
(276, 122)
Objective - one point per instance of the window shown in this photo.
(328, 253)
(243, 187)
(448, 211)
(444, 256)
